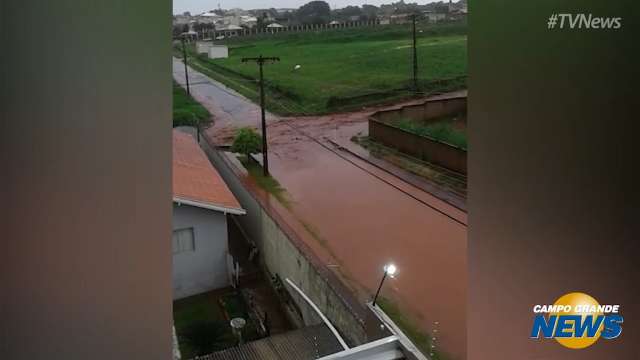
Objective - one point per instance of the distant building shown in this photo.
(202, 47)
(182, 19)
(434, 17)
(201, 203)
(400, 18)
(223, 31)
(248, 21)
(218, 52)
(230, 20)
(208, 18)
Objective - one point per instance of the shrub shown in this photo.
(187, 111)
(247, 142)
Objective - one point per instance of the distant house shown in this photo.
(248, 21)
(399, 18)
(208, 18)
(218, 52)
(201, 203)
(434, 17)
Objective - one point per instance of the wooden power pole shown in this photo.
(415, 56)
(260, 60)
(184, 59)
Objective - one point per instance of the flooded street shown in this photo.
(357, 217)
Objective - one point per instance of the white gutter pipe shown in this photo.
(324, 318)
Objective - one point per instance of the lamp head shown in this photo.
(390, 269)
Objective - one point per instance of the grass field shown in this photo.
(187, 111)
(343, 69)
(445, 131)
(195, 309)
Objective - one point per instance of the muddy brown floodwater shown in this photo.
(359, 218)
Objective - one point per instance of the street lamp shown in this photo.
(389, 269)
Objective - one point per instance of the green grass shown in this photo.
(444, 131)
(268, 183)
(343, 69)
(195, 309)
(419, 338)
(187, 111)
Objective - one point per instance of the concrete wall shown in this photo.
(206, 268)
(284, 254)
(422, 147)
(429, 110)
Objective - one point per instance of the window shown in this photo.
(183, 241)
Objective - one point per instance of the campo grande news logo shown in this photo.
(576, 321)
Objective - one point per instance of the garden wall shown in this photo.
(284, 254)
(428, 149)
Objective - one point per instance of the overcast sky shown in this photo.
(198, 6)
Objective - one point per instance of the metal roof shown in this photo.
(308, 343)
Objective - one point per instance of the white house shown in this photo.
(218, 52)
(248, 21)
(274, 27)
(201, 203)
(434, 17)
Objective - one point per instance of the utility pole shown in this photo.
(260, 60)
(415, 56)
(184, 59)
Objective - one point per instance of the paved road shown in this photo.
(357, 217)
(226, 105)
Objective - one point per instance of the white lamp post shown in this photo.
(389, 269)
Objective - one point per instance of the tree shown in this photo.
(370, 12)
(315, 12)
(247, 142)
(348, 12)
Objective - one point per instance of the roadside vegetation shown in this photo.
(267, 183)
(449, 180)
(187, 111)
(248, 142)
(419, 338)
(342, 69)
(444, 131)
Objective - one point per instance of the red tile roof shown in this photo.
(195, 181)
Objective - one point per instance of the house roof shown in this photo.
(195, 181)
(307, 343)
(231, 27)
